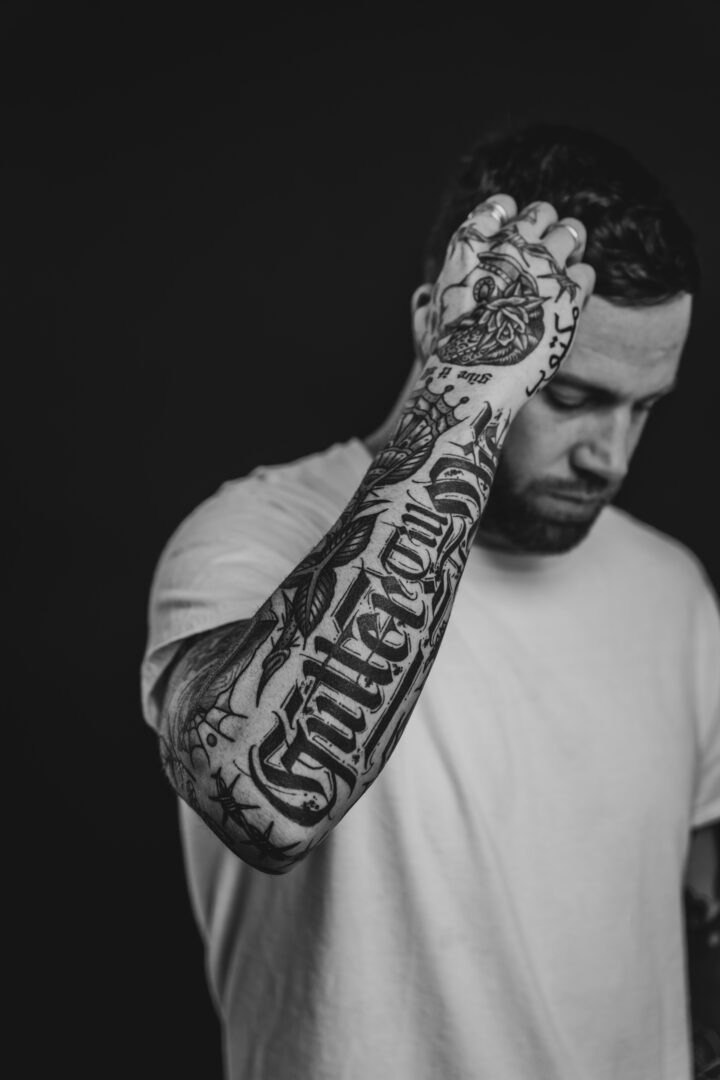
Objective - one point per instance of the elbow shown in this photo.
(259, 837)
(271, 867)
(274, 848)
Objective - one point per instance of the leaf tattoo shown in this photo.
(315, 583)
(313, 598)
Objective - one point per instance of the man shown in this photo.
(506, 901)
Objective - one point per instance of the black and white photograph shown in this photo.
(362, 450)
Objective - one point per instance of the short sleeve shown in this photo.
(233, 551)
(706, 807)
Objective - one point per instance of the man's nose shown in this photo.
(605, 448)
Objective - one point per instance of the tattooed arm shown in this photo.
(273, 727)
(702, 929)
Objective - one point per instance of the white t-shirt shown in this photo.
(505, 902)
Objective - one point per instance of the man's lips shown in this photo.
(576, 497)
(586, 494)
(575, 500)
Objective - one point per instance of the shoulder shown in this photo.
(656, 581)
(310, 492)
(666, 597)
(332, 474)
(644, 554)
(252, 531)
(227, 556)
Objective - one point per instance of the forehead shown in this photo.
(629, 349)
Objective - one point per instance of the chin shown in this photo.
(550, 537)
(519, 526)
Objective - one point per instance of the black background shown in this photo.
(213, 222)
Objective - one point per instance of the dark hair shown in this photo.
(639, 245)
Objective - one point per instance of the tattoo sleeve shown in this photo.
(274, 727)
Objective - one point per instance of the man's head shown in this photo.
(568, 450)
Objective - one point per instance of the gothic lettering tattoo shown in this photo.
(361, 618)
(276, 726)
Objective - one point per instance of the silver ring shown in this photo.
(572, 230)
(498, 212)
(495, 209)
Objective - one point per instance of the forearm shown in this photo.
(274, 728)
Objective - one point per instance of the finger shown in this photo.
(534, 219)
(578, 253)
(584, 276)
(493, 213)
(565, 238)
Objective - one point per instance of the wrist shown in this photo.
(466, 390)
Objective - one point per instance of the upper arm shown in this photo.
(702, 870)
(197, 673)
(204, 733)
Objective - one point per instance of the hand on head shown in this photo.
(509, 293)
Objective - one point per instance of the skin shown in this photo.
(568, 451)
(274, 726)
(565, 457)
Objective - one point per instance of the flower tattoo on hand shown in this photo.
(506, 321)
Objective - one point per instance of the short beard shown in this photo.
(511, 520)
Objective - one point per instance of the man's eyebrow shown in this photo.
(577, 382)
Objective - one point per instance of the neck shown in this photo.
(484, 538)
(377, 439)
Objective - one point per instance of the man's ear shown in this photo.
(419, 310)
(419, 307)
